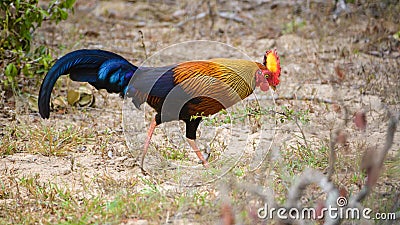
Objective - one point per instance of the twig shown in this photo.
(143, 45)
(301, 131)
(212, 15)
(52, 6)
(395, 207)
(375, 169)
(383, 54)
(227, 213)
(394, 119)
(231, 16)
(197, 17)
(257, 5)
(332, 155)
(224, 15)
(311, 176)
(292, 97)
(129, 23)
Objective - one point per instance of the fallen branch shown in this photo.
(224, 15)
(308, 177)
(292, 97)
(231, 16)
(374, 170)
(332, 155)
(197, 17)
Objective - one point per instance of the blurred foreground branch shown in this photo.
(335, 197)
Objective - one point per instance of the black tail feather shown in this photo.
(87, 66)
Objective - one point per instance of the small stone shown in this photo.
(110, 154)
(30, 158)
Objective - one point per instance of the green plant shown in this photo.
(19, 20)
(293, 26)
(225, 117)
(289, 114)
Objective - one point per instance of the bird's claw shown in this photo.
(144, 172)
(206, 155)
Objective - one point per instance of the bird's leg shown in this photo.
(193, 145)
(191, 128)
(153, 125)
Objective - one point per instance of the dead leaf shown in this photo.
(336, 108)
(341, 137)
(60, 102)
(318, 210)
(339, 73)
(360, 120)
(343, 191)
(73, 97)
(83, 96)
(86, 100)
(227, 216)
(370, 165)
(85, 90)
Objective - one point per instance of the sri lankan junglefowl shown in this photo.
(176, 92)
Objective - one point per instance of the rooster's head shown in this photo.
(270, 71)
(271, 61)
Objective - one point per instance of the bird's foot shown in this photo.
(192, 144)
(205, 164)
(206, 155)
(144, 172)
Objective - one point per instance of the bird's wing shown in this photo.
(225, 79)
(194, 76)
(160, 81)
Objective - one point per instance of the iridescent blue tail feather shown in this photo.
(102, 69)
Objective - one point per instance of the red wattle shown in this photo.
(264, 86)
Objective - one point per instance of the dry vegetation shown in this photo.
(76, 167)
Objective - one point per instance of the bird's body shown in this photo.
(198, 87)
(176, 92)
